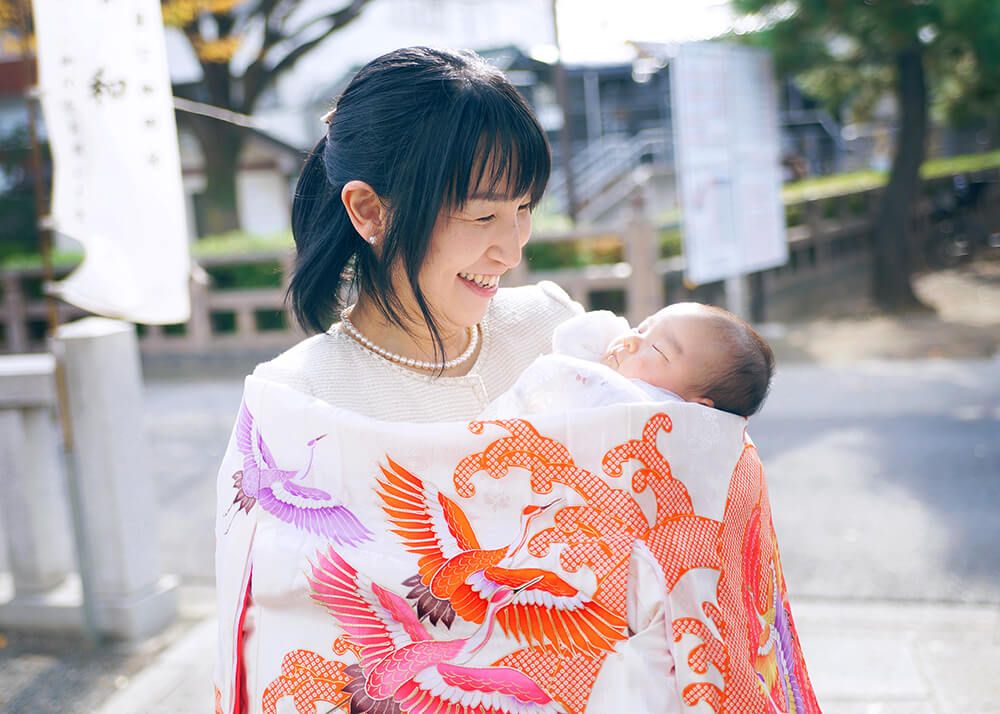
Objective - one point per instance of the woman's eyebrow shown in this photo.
(489, 196)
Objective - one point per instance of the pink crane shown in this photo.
(280, 494)
(404, 666)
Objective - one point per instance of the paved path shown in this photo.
(885, 481)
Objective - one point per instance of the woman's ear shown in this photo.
(365, 209)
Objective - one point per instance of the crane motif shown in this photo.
(279, 492)
(457, 575)
(404, 666)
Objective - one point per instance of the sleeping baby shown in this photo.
(685, 352)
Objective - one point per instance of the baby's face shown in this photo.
(674, 349)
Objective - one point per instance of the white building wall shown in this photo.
(264, 203)
(389, 24)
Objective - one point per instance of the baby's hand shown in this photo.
(611, 356)
(588, 336)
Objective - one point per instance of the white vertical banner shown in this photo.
(108, 105)
(725, 117)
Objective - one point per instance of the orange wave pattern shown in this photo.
(599, 534)
(308, 678)
(566, 679)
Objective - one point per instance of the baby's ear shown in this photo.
(705, 401)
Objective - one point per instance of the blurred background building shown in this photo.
(617, 100)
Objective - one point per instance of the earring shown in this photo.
(371, 240)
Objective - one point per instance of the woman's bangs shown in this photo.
(502, 156)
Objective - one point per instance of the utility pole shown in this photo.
(565, 133)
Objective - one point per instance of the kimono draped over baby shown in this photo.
(599, 560)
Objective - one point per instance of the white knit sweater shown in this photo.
(332, 367)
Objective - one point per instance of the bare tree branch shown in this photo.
(261, 74)
(338, 20)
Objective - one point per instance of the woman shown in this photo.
(454, 573)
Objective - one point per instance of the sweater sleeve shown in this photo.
(564, 306)
(293, 367)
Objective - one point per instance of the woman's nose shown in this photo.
(509, 243)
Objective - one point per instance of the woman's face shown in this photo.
(470, 249)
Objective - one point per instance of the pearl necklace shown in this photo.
(359, 337)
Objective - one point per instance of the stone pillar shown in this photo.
(117, 500)
(738, 296)
(32, 492)
(14, 320)
(644, 290)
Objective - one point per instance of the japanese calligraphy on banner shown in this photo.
(725, 117)
(109, 114)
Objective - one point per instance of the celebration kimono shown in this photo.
(617, 559)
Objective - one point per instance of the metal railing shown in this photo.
(605, 162)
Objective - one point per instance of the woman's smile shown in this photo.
(483, 285)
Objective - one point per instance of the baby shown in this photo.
(699, 353)
(686, 351)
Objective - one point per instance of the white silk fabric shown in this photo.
(624, 554)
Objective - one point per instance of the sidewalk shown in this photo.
(863, 657)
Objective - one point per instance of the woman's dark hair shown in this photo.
(424, 128)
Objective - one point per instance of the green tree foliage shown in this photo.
(243, 47)
(933, 54)
(18, 232)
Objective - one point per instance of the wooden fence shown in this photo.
(829, 270)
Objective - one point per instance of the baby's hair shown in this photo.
(739, 385)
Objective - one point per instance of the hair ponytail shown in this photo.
(325, 243)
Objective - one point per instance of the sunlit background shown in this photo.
(829, 170)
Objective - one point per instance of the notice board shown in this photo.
(725, 123)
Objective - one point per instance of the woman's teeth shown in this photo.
(483, 281)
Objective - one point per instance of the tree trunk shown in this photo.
(220, 148)
(892, 289)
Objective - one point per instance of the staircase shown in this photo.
(608, 170)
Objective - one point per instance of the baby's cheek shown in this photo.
(632, 367)
(653, 371)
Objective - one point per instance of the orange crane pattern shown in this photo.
(747, 635)
(455, 568)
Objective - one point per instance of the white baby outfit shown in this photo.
(572, 377)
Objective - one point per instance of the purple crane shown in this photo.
(279, 492)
